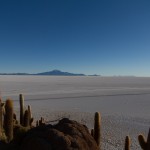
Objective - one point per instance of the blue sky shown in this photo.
(107, 37)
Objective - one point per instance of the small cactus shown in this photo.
(41, 121)
(8, 120)
(145, 145)
(127, 143)
(21, 99)
(29, 110)
(92, 132)
(37, 123)
(97, 128)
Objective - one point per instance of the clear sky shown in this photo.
(106, 37)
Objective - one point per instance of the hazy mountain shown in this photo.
(60, 73)
(53, 72)
(15, 74)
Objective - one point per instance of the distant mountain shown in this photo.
(94, 75)
(50, 73)
(15, 74)
(59, 73)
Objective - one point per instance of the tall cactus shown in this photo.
(1, 119)
(97, 128)
(127, 143)
(21, 99)
(145, 145)
(8, 120)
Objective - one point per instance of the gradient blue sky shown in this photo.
(107, 37)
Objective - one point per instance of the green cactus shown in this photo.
(26, 119)
(145, 145)
(127, 143)
(97, 128)
(21, 99)
(8, 120)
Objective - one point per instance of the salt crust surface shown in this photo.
(124, 102)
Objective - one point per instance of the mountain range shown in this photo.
(50, 73)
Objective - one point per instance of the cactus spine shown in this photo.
(145, 145)
(21, 99)
(127, 143)
(8, 120)
(97, 128)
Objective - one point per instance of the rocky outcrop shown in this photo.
(66, 135)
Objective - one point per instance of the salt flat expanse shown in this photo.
(124, 102)
(109, 95)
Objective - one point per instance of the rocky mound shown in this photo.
(66, 135)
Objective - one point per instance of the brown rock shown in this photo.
(66, 135)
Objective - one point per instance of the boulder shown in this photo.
(66, 135)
